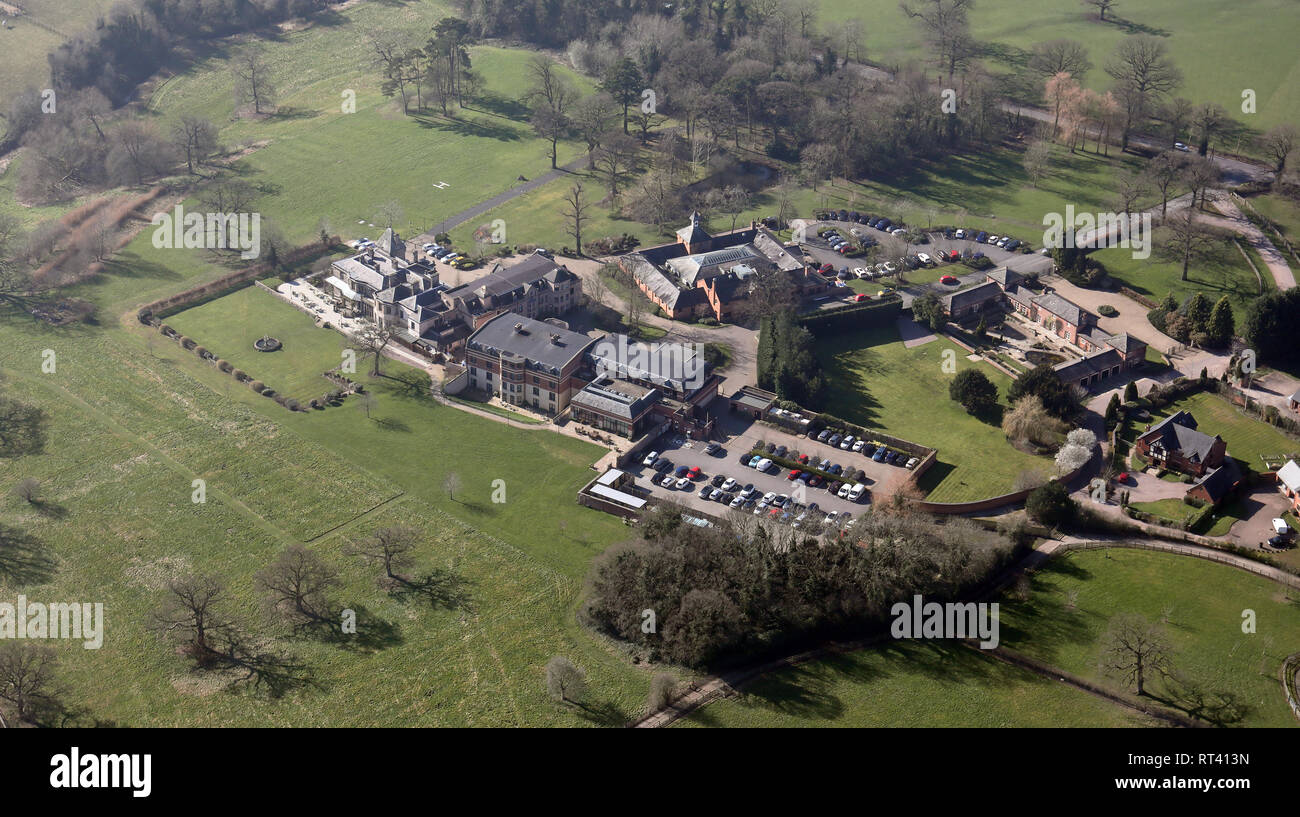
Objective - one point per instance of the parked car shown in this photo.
(925, 259)
(705, 491)
(859, 445)
(961, 233)
(650, 458)
(683, 483)
(712, 448)
(748, 490)
(793, 475)
(911, 463)
(837, 469)
(823, 465)
(843, 492)
(715, 495)
(981, 237)
(856, 492)
(729, 484)
(718, 480)
(948, 280)
(763, 465)
(754, 461)
(834, 439)
(879, 456)
(781, 451)
(822, 437)
(662, 464)
(738, 502)
(830, 518)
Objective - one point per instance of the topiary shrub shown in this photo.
(201, 352)
(257, 386)
(1108, 311)
(292, 405)
(224, 365)
(188, 343)
(240, 375)
(315, 403)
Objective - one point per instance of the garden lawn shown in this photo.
(229, 325)
(1203, 602)
(878, 383)
(1248, 439)
(1223, 272)
(911, 684)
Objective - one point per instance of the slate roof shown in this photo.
(1005, 278)
(674, 365)
(543, 345)
(1061, 307)
(1022, 295)
(690, 269)
(503, 280)
(1076, 370)
(693, 232)
(1218, 482)
(771, 246)
(970, 297)
(391, 245)
(1177, 432)
(1126, 343)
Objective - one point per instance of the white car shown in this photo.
(1280, 527)
(993, 239)
(650, 458)
(683, 483)
(858, 445)
(856, 492)
(729, 485)
(843, 492)
(862, 272)
(912, 462)
(961, 233)
(768, 497)
(887, 268)
(898, 231)
(925, 259)
(1181, 146)
(847, 442)
(830, 518)
(763, 465)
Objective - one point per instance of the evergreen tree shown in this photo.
(1222, 324)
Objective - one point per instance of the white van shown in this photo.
(1280, 527)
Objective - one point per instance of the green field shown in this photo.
(1205, 629)
(1283, 212)
(935, 684)
(911, 684)
(878, 383)
(136, 420)
(23, 48)
(1223, 272)
(318, 163)
(228, 326)
(1221, 49)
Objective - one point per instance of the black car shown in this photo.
(1278, 541)
(662, 464)
(780, 451)
(717, 480)
(705, 491)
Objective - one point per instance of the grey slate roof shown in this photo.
(1075, 370)
(693, 232)
(1061, 307)
(1177, 432)
(975, 295)
(1125, 342)
(1004, 277)
(1219, 481)
(542, 344)
(503, 280)
(674, 365)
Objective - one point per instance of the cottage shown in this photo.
(1176, 444)
(1217, 484)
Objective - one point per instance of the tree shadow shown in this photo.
(466, 127)
(24, 558)
(372, 633)
(290, 114)
(605, 713)
(439, 587)
(392, 424)
(503, 106)
(50, 509)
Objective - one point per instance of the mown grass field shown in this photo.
(1205, 629)
(1223, 272)
(136, 420)
(1070, 605)
(877, 382)
(228, 326)
(23, 47)
(317, 164)
(1221, 49)
(911, 684)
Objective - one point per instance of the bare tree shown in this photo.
(1060, 57)
(1187, 239)
(451, 484)
(616, 157)
(1164, 171)
(946, 26)
(1102, 7)
(564, 681)
(1199, 175)
(1037, 160)
(296, 584)
(662, 688)
(1143, 74)
(575, 214)
(189, 614)
(389, 547)
(253, 82)
(194, 138)
(27, 677)
(1278, 142)
(1131, 188)
(373, 340)
(1134, 650)
(591, 118)
(637, 305)
(28, 490)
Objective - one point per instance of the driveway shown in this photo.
(1262, 506)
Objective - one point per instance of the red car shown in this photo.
(860, 297)
(803, 458)
(1122, 478)
(694, 473)
(954, 255)
(948, 279)
(794, 474)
